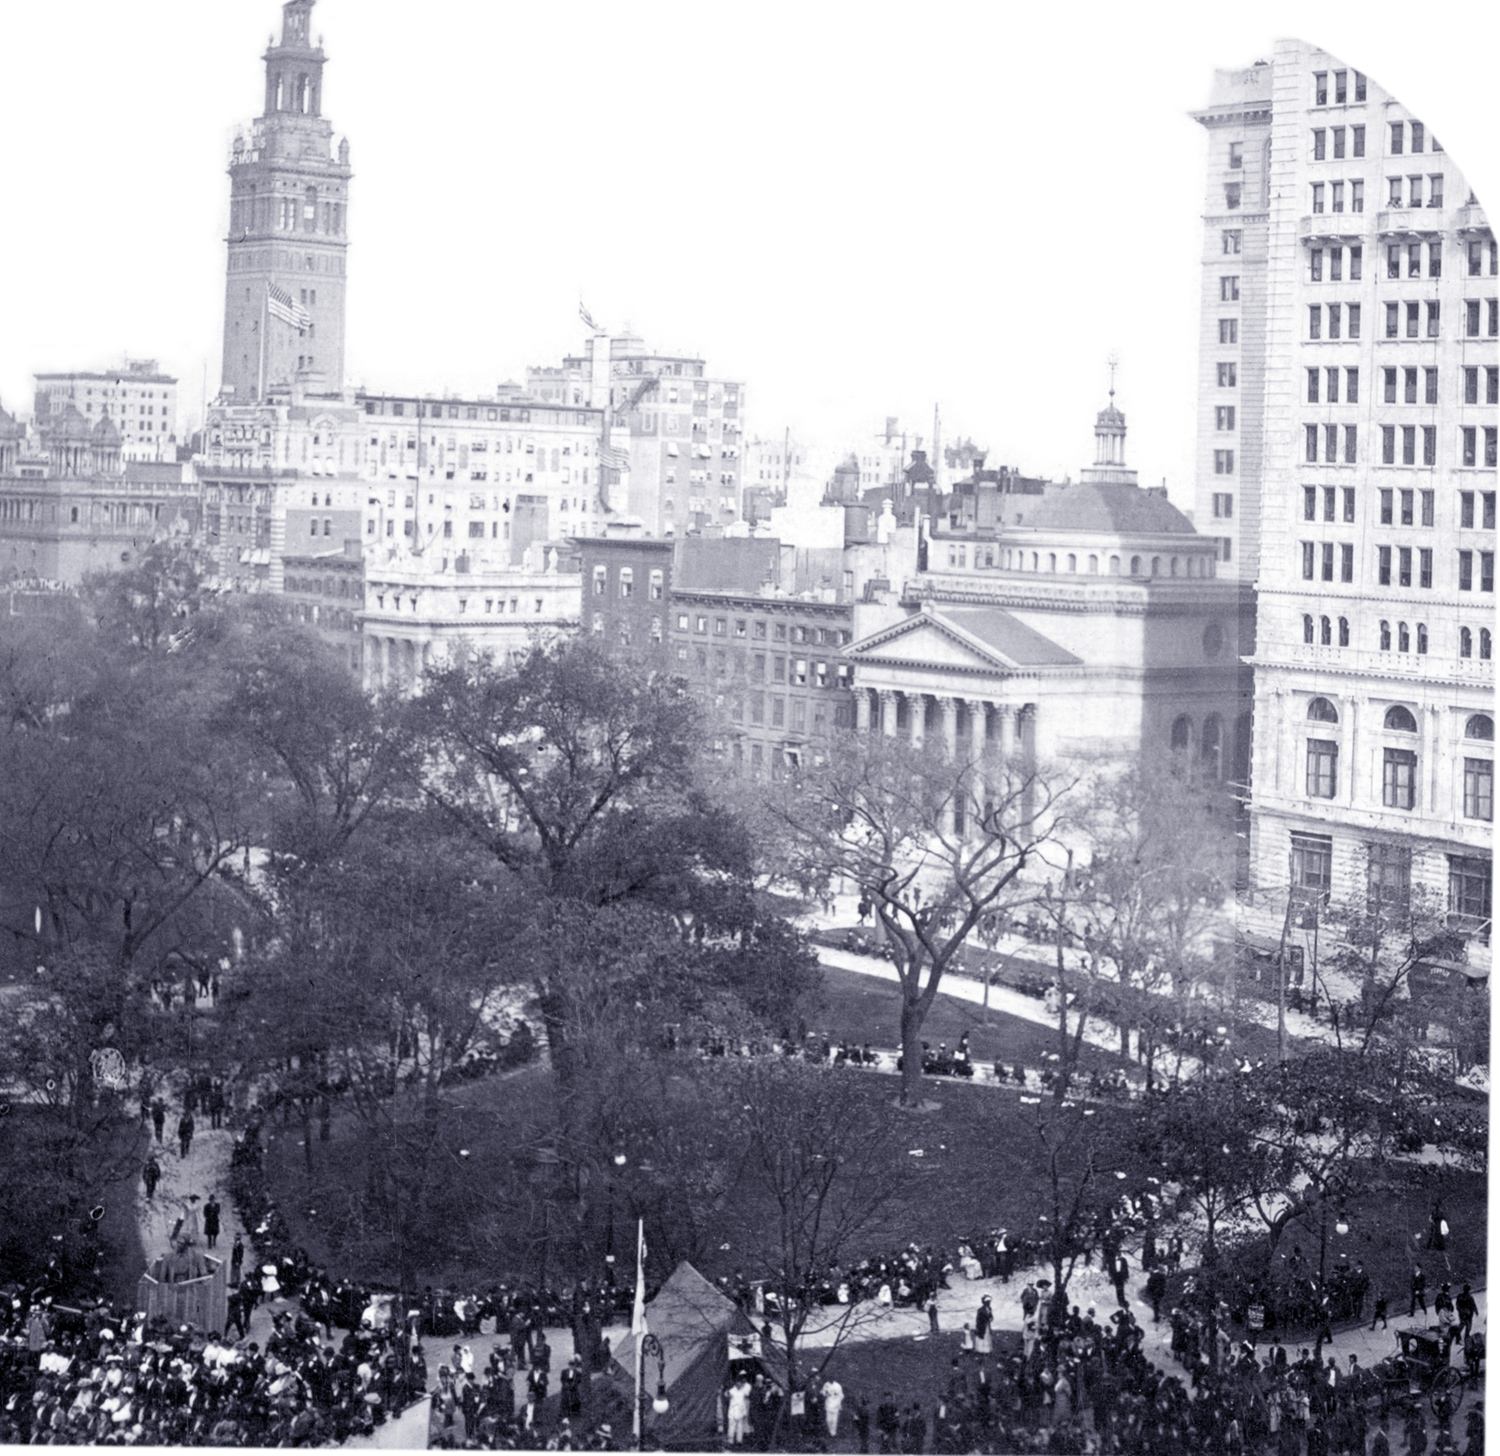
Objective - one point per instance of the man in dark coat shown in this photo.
(185, 1133)
(152, 1175)
(1119, 1272)
(211, 1213)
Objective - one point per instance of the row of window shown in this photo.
(1324, 193)
(1388, 878)
(1401, 384)
(1340, 87)
(1394, 565)
(1399, 506)
(1321, 632)
(655, 585)
(796, 672)
(1008, 559)
(1481, 320)
(757, 629)
(1328, 436)
(1351, 139)
(1399, 778)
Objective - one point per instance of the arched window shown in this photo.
(1385, 636)
(1114, 565)
(1156, 566)
(1093, 566)
(1403, 637)
(1212, 749)
(1399, 720)
(1307, 627)
(1052, 561)
(1343, 631)
(304, 94)
(1072, 562)
(1036, 560)
(1484, 644)
(1325, 631)
(1421, 637)
(1182, 732)
(1465, 642)
(281, 93)
(1174, 566)
(1135, 565)
(1320, 710)
(1480, 726)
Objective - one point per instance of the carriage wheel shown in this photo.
(1447, 1386)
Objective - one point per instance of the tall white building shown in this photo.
(1356, 410)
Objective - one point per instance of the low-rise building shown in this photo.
(326, 592)
(423, 610)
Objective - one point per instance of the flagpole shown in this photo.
(265, 322)
(638, 1323)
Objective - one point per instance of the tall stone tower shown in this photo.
(288, 230)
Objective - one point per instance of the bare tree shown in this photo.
(818, 1164)
(932, 842)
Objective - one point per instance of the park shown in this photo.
(491, 1018)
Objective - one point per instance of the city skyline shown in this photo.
(828, 308)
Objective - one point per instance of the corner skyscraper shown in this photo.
(288, 229)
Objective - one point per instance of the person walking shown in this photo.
(1156, 1290)
(1467, 1311)
(1418, 1291)
(159, 1117)
(833, 1403)
(185, 1134)
(151, 1176)
(211, 1212)
(984, 1318)
(1381, 1301)
(739, 1410)
(1119, 1272)
(236, 1260)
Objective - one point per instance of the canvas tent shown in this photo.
(694, 1322)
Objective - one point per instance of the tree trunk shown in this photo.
(911, 1054)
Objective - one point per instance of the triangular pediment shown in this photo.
(927, 642)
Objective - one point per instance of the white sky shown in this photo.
(861, 210)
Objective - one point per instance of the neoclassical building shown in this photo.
(1075, 620)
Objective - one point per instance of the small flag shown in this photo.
(614, 459)
(280, 304)
(638, 1316)
(587, 317)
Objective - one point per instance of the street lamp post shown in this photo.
(649, 1345)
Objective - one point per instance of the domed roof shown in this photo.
(67, 428)
(106, 432)
(1120, 510)
(1110, 418)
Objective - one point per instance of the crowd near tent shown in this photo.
(696, 1324)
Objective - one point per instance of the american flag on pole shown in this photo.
(280, 304)
(614, 459)
(587, 317)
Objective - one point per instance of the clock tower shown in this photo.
(288, 230)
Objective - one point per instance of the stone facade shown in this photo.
(1374, 676)
(288, 229)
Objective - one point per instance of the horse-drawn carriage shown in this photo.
(1421, 1371)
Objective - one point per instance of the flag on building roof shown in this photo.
(280, 304)
(587, 317)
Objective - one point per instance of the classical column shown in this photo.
(1007, 743)
(949, 708)
(1433, 748)
(1354, 743)
(862, 709)
(888, 712)
(916, 708)
(979, 727)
